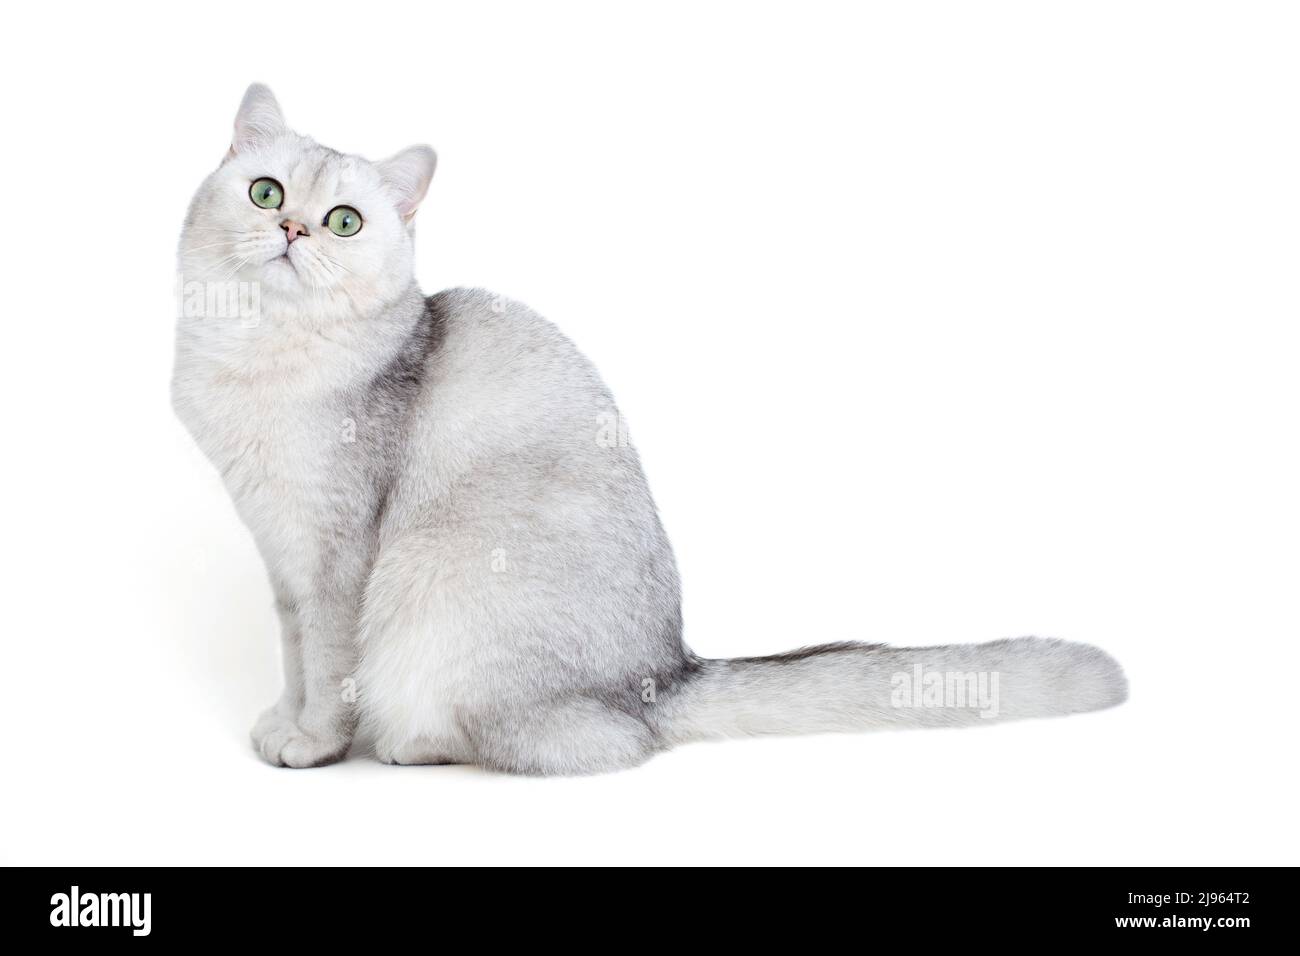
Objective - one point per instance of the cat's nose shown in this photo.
(294, 229)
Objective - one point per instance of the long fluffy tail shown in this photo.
(855, 687)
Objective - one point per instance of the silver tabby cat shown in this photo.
(466, 559)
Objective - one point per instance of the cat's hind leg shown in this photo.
(450, 668)
(579, 736)
(423, 750)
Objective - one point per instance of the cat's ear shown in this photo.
(258, 120)
(407, 176)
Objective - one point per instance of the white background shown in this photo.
(933, 323)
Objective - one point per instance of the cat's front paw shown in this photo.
(282, 743)
(273, 720)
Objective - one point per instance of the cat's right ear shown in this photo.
(259, 119)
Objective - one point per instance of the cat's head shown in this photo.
(317, 230)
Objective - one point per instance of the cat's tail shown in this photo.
(855, 687)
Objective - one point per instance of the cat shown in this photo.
(467, 563)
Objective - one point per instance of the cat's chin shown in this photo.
(280, 275)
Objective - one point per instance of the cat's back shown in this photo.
(513, 432)
(501, 383)
(494, 348)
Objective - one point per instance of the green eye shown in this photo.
(266, 193)
(343, 221)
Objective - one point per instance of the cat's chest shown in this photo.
(291, 467)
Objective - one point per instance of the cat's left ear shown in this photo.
(407, 176)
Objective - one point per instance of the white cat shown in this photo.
(464, 551)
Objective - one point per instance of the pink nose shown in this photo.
(294, 229)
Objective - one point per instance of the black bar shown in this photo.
(931, 907)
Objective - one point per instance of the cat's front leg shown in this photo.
(282, 717)
(323, 717)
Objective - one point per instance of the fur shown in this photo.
(466, 558)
